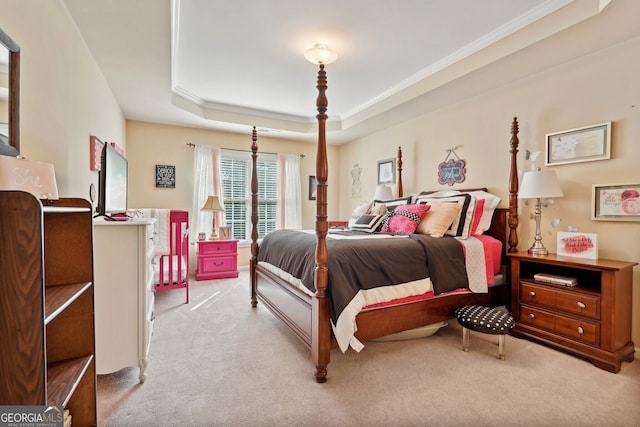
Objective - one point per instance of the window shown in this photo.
(235, 168)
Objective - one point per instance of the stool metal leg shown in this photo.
(501, 340)
(465, 339)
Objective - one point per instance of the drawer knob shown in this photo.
(532, 294)
(580, 330)
(532, 316)
(581, 305)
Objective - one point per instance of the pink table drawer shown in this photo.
(213, 247)
(218, 264)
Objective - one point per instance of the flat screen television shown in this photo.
(113, 186)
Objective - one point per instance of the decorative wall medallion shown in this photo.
(451, 171)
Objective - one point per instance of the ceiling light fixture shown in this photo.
(320, 54)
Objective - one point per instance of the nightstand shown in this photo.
(217, 259)
(591, 320)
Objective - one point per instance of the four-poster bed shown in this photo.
(309, 314)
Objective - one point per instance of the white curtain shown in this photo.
(289, 213)
(206, 182)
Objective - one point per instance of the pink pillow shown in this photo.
(404, 219)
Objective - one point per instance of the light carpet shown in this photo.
(219, 362)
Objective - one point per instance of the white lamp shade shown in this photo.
(539, 184)
(320, 54)
(383, 193)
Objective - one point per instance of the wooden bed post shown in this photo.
(400, 190)
(513, 188)
(320, 326)
(254, 216)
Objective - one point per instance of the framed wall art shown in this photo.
(387, 171)
(165, 176)
(583, 144)
(313, 186)
(615, 202)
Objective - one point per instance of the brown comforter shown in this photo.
(366, 263)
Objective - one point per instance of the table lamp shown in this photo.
(539, 185)
(383, 193)
(213, 204)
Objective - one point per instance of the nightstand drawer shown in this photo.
(579, 330)
(218, 264)
(537, 294)
(585, 331)
(584, 305)
(214, 247)
(539, 319)
(572, 302)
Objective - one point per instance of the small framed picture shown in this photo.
(615, 202)
(583, 144)
(313, 187)
(165, 176)
(225, 233)
(580, 245)
(387, 171)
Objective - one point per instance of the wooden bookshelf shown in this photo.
(47, 356)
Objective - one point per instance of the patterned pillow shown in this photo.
(491, 202)
(404, 219)
(368, 223)
(477, 215)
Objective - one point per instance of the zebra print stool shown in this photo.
(486, 320)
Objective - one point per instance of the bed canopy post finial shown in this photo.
(254, 216)
(513, 188)
(400, 190)
(321, 332)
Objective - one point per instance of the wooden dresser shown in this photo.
(591, 319)
(217, 259)
(124, 288)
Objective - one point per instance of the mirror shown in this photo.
(9, 92)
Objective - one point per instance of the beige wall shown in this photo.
(597, 88)
(151, 144)
(64, 97)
